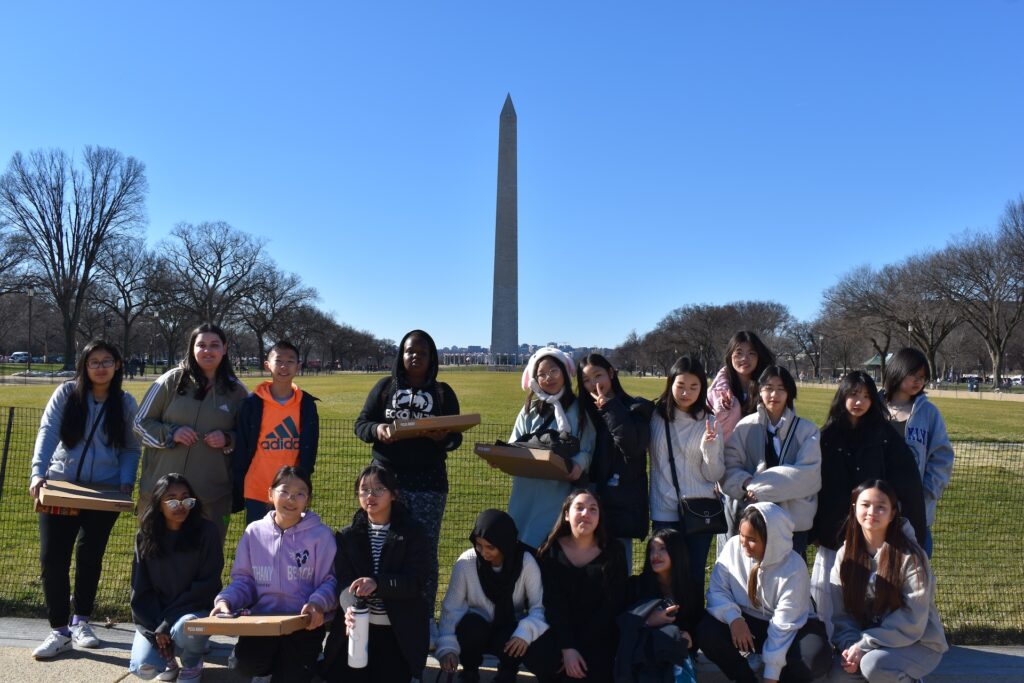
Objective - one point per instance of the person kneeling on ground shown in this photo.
(494, 605)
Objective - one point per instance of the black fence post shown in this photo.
(7, 448)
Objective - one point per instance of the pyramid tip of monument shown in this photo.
(508, 107)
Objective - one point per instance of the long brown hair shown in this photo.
(193, 375)
(855, 570)
(754, 518)
(562, 527)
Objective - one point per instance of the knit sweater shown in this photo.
(699, 464)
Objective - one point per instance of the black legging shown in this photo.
(478, 637)
(86, 534)
(808, 657)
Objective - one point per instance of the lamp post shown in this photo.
(821, 343)
(31, 293)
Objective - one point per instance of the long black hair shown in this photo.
(153, 525)
(585, 398)
(764, 358)
(666, 404)
(682, 584)
(563, 528)
(904, 363)
(853, 381)
(72, 423)
(194, 376)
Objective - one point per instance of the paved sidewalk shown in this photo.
(109, 664)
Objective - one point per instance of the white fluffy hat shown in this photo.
(543, 352)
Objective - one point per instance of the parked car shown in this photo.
(19, 357)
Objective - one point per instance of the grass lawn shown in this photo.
(974, 557)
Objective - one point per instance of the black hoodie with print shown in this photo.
(419, 463)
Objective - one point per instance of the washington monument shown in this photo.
(505, 311)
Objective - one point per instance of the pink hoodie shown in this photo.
(726, 418)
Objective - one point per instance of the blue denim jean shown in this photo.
(190, 648)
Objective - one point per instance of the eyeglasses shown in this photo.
(297, 496)
(550, 374)
(173, 503)
(97, 364)
(284, 363)
(375, 492)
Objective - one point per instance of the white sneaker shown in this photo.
(55, 644)
(171, 672)
(82, 635)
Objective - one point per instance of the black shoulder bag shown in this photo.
(696, 515)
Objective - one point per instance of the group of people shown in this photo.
(546, 584)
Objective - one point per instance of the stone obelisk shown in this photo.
(505, 311)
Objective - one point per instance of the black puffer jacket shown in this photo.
(404, 567)
(849, 457)
(619, 467)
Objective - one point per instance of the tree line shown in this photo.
(961, 304)
(72, 233)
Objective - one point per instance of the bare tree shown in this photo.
(126, 287)
(65, 214)
(982, 275)
(272, 294)
(854, 299)
(213, 266)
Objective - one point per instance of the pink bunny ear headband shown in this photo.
(531, 365)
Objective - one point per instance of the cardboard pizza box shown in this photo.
(263, 625)
(409, 429)
(66, 494)
(538, 463)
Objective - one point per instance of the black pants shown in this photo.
(289, 659)
(385, 663)
(808, 657)
(86, 533)
(478, 637)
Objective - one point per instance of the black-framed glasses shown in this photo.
(97, 364)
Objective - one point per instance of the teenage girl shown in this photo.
(175, 578)
(775, 457)
(495, 604)
(619, 466)
(733, 393)
(682, 421)
(411, 392)
(284, 565)
(384, 559)
(658, 629)
(187, 424)
(920, 423)
(758, 602)
(857, 443)
(85, 436)
(666, 576)
(883, 593)
(584, 575)
(550, 405)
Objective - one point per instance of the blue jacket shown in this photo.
(104, 464)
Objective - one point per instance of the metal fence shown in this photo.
(976, 557)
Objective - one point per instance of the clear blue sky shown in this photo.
(669, 152)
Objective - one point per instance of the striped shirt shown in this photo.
(378, 534)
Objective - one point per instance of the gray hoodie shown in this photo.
(783, 587)
(927, 437)
(916, 623)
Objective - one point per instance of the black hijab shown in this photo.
(498, 529)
